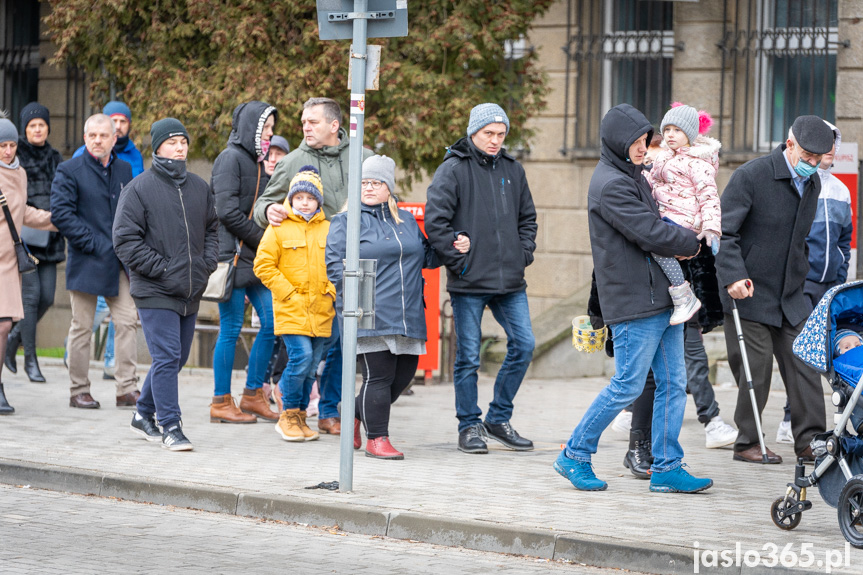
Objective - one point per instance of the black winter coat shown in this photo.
(488, 198)
(625, 227)
(764, 227)
(167, 235)
(235, 173)
(40, 163)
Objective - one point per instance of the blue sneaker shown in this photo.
(579, 473)
(678, 481)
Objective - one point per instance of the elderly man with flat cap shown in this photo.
(767, 211)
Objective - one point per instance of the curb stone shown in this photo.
(476, 535)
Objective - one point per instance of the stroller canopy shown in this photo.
(841, 306)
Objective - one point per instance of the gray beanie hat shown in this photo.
(8, 132)
(281, 143)
(381, 168)
(164, 129)
(485, 114)
(684, 117)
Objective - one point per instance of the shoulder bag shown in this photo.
(26, 261)
(220, 286)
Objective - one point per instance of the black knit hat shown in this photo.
(813, 134)
(32, 111)
(166, 128)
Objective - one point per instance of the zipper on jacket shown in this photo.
(826, 242)
(401, 267)
(497, 217)
(650, 278)
(188, 241)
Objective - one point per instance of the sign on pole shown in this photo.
(357, 20)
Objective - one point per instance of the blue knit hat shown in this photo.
(485, 114)
(115, 107)
(308, 180)
(840, 335)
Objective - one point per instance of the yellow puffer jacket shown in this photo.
(290, 262)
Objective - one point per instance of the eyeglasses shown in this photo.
(375, 184)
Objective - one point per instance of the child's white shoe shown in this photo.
(685, 303)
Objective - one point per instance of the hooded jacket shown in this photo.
(40, 163)
(401, 251)
(236, 172)
(167, 235)
(332, 163)
(684, 185)
(625, 226)
(290, 262)
(486, 197)
(765, 222)
(829, 238)
(84, 198)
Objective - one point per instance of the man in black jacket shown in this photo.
(625, 228)
(767, 211)
(166, 233)
(481, 191)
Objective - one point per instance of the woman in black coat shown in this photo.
(40, 161)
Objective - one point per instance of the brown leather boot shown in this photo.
(308, 432)
(224, 410)
(254, 403)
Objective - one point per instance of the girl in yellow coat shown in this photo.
(290, 262)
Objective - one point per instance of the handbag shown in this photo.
(26, 261)
(35, 238)
(220, 286)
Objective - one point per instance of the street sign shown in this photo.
(385, 18)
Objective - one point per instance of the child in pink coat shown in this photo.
(683, 178)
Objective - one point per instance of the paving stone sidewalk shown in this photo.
(437, 494)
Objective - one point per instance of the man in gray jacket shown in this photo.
(325, 145)
(767, 211)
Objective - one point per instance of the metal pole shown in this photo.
(351, 281)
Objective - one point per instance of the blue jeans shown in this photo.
(231, 315)
(640, 345)
(169, 339)
(512, 313)
(102, 312)
(330, 386)
(304, 354)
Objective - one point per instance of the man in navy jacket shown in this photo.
(84, 199)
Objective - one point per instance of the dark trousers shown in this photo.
(385, 377)
(37, 294)
(169, 339)
(697, 371)
(642, 408)
(802, 383)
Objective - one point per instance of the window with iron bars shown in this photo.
(778, 62)
(619, 51)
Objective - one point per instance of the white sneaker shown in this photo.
(783, 434)
(623, 422)
(685, 303)
(719, 433)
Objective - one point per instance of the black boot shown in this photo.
(5, 408)
(31, 368)
(639, 457)
(13, 342)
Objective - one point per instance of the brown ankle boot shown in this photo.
(254, 403)
(308, 432)
(224, 410)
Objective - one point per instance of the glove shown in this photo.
(712, 239)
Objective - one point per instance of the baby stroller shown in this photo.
(838, 467)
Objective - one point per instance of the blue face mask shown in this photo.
(803, 169)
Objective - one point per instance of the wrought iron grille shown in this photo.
(19, 55)
(618, 51)
(778, 62)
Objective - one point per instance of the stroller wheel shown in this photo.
(851, 511)
(788, 522)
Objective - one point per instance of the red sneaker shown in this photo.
(358, 438)
(381, 448)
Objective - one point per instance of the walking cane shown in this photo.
(749, 379)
